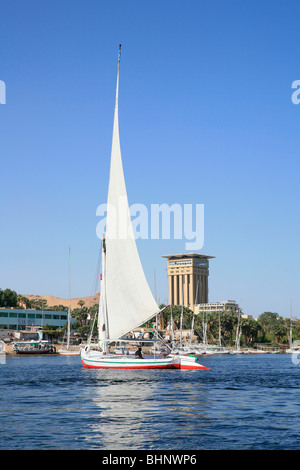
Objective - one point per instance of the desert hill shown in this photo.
(51, 300)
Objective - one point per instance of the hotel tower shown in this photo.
(188, 279)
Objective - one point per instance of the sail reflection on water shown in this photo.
(124, 401)
(145, 409)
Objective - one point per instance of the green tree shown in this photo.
(58, 308)
(81, 315)
(250, 330)
(23, 302)
(229, 322)
(268, 320)
(176, 314)
(280, 331)
(8, 298)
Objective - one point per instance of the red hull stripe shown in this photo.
(163, 366)
(194, 367)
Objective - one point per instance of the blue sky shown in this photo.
(206, 117)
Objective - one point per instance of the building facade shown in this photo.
(17, 319)
(220, 307)
(188, 279)
(215, 307)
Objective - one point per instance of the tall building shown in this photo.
(188, 279)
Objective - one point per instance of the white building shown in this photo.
(216, 307)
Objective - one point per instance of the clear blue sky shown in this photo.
(205, 117)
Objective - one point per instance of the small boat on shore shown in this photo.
(33, 347)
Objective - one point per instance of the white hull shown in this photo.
(98, 360)
(257, 351)
(212, 351)
(66, 352)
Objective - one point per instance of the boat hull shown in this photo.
(97, 360)
(34, 351)
(62, 352)
(124, 362)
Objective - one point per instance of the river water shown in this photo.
(242, 402)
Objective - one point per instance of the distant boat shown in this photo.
(69, 351)
(126, 300)
(33, 347)
(294, 345)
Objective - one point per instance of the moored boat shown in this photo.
(33, 347)
(69, 351)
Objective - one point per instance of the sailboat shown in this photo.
(126, 300)
(294, 346)
(68, 351)
(238, 349)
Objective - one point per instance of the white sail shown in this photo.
(129, 300)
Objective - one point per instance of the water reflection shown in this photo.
(145, 410)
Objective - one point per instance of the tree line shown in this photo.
(269, 327)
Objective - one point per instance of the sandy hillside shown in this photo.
(51, 301)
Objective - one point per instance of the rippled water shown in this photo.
(243, 402)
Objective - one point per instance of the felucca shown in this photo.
(126, 300)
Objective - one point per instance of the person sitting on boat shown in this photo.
(138, 354)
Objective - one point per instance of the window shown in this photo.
(200, 263)
(180, 262)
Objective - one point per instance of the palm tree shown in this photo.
(250, 330)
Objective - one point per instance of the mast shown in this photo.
(193, 320)
(172, 328)
(238, 332)
(69, 309)
(181, 316)
(219, 331)
(204, 328)
(291, 331)
(103, 326)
